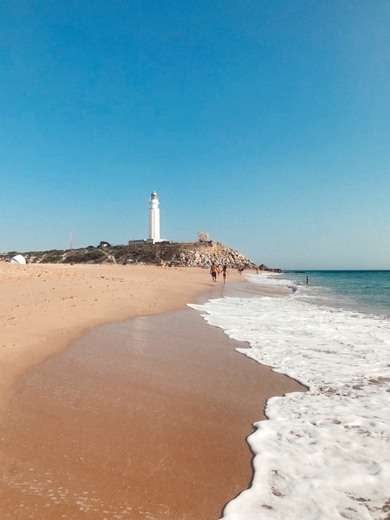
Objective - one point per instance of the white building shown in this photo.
(154, 223)
(154, 218)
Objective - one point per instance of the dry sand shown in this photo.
(44, 307)
(143, 419)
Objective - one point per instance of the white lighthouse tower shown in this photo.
(154, 218)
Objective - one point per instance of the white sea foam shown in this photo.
(325, 453)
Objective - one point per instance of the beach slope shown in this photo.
(140, 418)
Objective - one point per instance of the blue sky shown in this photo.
(265, 123)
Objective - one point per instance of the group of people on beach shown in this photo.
(214, 270)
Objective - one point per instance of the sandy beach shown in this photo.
(141, 418)
(44, 307)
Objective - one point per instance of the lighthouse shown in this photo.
(154, 218)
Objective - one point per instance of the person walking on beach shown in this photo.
(214, 271)
(224, 273)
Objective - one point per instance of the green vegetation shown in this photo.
(193, 254)
(85, 256)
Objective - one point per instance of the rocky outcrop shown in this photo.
(263, 267)
(204, 254)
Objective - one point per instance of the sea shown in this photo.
(323, 454)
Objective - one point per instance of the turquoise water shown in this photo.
(364, 291)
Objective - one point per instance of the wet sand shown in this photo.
(140, 419)
(145, 419)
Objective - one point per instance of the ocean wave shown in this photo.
(325, 453)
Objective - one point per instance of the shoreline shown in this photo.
(138, 418)
(144, 417)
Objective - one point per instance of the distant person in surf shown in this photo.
(307, 280)
(214, 271)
